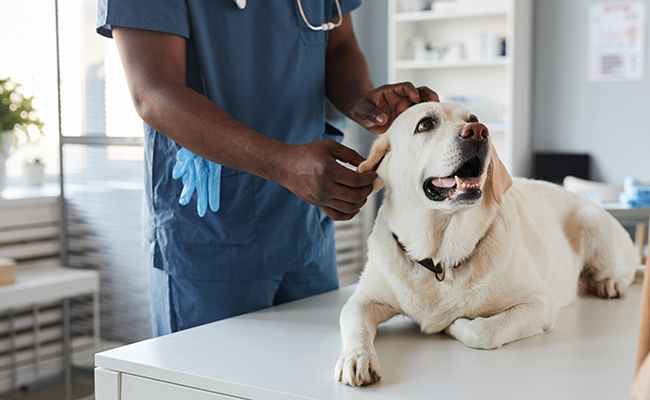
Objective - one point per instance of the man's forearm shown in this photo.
(154, 64)
(202, 127)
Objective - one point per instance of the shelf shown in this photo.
(41, 284)
(504, 81)
(21, 192)
(447, 15)
(626, 214)
(437, 64)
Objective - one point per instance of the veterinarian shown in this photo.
(233, 100)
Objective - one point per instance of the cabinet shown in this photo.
(473, 52)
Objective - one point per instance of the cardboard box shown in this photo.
(7, 272)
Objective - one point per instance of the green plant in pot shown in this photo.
(19, 121)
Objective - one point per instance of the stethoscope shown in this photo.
(327, 26)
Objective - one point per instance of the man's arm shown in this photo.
(154, 64)
(350, 88)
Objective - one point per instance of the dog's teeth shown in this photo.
(463, 185)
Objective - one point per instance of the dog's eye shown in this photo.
(472, 119)
(425, 125)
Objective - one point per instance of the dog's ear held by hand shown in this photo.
(499, 176)
(378, 152)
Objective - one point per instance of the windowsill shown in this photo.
(20, 192)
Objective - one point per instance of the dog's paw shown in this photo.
(473, 333)
(358, 367)
(609, 288)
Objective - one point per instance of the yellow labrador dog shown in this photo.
(458, 246)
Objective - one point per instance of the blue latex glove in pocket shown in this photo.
(198, 175)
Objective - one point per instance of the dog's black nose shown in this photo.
(474, 132)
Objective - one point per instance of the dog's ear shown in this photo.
(499, 176)
(377, 154)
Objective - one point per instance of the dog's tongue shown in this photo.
(451, 181)
(447, 182)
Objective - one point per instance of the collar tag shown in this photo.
(427, 263)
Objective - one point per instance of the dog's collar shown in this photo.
(437, 268)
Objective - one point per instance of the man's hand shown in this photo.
(379, 108)
(314, 175)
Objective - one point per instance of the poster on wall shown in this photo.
(617, 41)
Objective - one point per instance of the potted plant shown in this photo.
(33, 172)
(19, 121)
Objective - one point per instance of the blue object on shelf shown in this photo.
(635, 194)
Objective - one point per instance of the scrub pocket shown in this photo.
(233, 225)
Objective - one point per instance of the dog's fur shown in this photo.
(523, 247)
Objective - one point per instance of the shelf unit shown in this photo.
(447, 15)
(497, 89)
(441, 64)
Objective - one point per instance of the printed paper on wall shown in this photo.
(617, 41)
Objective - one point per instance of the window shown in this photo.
(29, 58)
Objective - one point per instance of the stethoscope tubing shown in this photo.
(327, 26)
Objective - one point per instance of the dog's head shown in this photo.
(440, 153)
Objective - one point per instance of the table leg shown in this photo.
(639, 240)
(96, 320)
(67, 362)
(36, 321)
(12, 348)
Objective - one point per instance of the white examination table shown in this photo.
(289, 352)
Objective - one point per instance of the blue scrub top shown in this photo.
(266, 68)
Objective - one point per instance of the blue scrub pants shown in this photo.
(180, 303)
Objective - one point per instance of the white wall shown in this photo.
(571, 114)
(371, 29)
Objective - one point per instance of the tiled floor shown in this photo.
(82, 389)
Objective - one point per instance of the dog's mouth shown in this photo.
(463, 184)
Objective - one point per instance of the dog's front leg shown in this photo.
(518, 322)
(359, 320)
